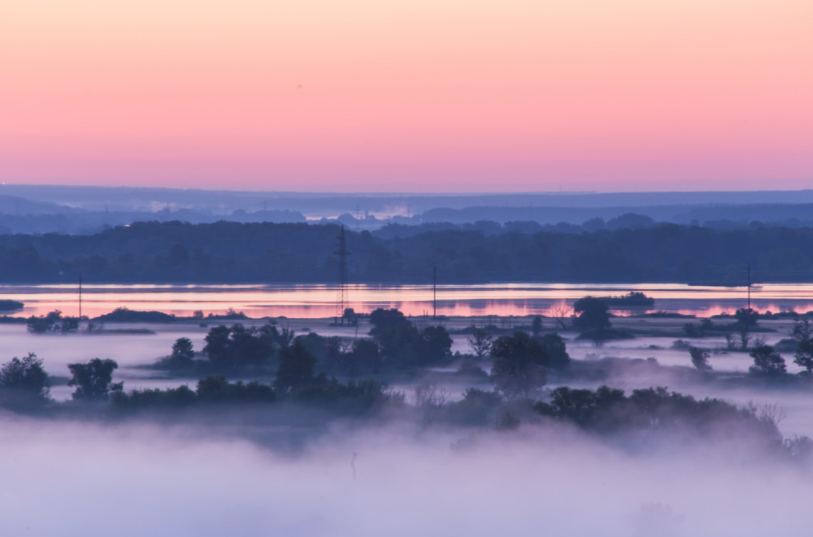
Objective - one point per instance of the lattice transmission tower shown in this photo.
(341, 290)
(435, 292)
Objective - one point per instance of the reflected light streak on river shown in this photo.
(318, 301)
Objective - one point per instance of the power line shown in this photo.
(435, 291)
(341, 291)
(749, 285)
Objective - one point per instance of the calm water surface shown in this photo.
(318, 301)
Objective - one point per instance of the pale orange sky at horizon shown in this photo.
(403, 96)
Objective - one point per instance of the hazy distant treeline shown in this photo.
(235, 252)
(88, 223)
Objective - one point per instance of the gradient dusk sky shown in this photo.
(408, 95)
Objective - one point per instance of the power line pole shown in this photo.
(749, 286)
(341, 291)
(80, 297)
(434, 291)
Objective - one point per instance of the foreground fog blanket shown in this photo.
(81, 479)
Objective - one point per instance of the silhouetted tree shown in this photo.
(382, 320)
(68, 325)
(93, 380)
(592, 314)
(536, 326)
(403, 344)
(744, 330)
(272, 336)
(218, 346)
(398, 343)
(316, 345)
(747, 317)
(24, 383)
(170, 398)
(433, 346)
(430, 402)
(480, 342)
(650, 410)
(295, 367)
(237, 347)
(52, 322)
(698, 330)
(519, 364)
(508, 420)
(183, 353)
(561, 313)
(335, 352)
(350, 316)
(804, 356)
(475, 407)
(247, 348)
(802, 329)
(217, 389)
(700, 359)
(558, 358)
(365, 357)
(767, 362)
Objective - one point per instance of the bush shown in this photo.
(53, 322)
(210, 390)
(124, 315)
(681, 345)
(654, 410)
(767, 362)
(171, 398)
(353, 398)
(475, 409)
(216, 389)
(700, 359)
(599, 337)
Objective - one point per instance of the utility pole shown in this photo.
(749, 285)
(434, 291)
(80, 297)
(341, 291)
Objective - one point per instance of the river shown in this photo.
(319, 301)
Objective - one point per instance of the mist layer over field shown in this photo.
(69, 478)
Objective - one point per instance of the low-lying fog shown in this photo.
(132, 350)
(68, 478)
(138, 478)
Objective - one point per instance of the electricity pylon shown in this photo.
(341, 290)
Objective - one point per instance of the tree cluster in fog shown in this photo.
(24, 384)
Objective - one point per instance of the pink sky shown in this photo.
(419, 95)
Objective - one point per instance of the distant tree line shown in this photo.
(396, 344)
(301, 253)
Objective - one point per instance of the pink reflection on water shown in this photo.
(318, 301)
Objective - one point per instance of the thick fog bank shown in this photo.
(132, 480)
